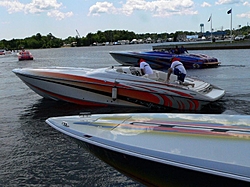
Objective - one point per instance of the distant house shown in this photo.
(148, 40)
(123, 42)
(192, 37)
(140, 41)
(134, 41)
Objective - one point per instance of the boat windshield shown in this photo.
(128, 70)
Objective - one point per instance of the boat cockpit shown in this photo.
(157, 75)
(161, 76)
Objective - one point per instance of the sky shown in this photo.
(23, 18)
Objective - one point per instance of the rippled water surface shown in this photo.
(34, 154)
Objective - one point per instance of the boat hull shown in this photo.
(161, 60)
(151, 173)
(167, 149)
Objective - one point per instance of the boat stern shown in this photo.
(213, 93)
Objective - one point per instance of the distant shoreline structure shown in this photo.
(207, 45)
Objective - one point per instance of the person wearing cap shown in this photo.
(145, 67)
(179, 70)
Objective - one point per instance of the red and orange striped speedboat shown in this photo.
(120, 86)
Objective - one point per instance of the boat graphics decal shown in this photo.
(192, 128)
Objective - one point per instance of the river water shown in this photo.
(34, 154)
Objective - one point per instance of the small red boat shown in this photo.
(25, 55)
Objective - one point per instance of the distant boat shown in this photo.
(24, 55)
(3, 52)
(160, 149)
(161, 59)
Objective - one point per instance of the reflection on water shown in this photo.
(41, 155)
(238, 104)
(45, 108)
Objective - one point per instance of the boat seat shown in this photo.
(154, 76)
(173, 79)
(162, 76)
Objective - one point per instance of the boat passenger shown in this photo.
(22, 50)
(145, 67)
(176, 50)
(179, 70)
(183, 50)
(171, 50)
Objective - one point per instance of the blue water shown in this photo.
(34, 154)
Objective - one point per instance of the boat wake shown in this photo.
(242, 66)
(239, 103)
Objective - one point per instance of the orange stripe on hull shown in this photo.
(145, 96)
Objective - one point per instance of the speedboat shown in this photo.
(162, 59)
(119, 86)
(4, 52)
(24, 55)
(161, 149)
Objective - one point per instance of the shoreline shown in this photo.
(208, 45)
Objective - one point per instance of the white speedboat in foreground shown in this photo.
(167, 149)
(120, 86)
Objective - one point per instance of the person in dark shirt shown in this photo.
(183, 50)
(176, 50)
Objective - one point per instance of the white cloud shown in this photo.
(244, 15)
(102, 7)
(36, 6)
(59, 15)
(227, 2)
(12, 6)
(246, 3)
(5, 23)
(160, 8)
(205, 4)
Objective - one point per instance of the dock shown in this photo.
(207, 45)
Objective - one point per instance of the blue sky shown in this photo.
(24, 18)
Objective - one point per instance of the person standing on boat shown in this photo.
(179, 70)
(176, 50)
(183, 50)
(22, 50)
(145, 67)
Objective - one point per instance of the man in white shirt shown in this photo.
(179, 70)
(145, 67)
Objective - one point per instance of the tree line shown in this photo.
(50, 41)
